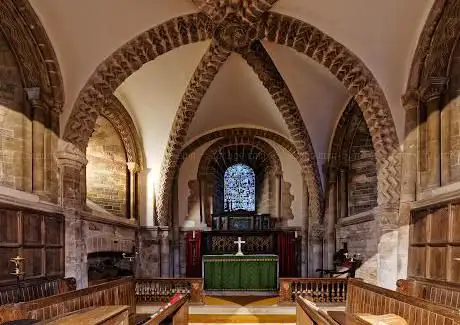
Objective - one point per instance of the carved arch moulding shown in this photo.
(116, 113)
(33, 50)
(272, 27)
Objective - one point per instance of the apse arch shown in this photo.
(273, 27)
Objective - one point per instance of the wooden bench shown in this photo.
(32, 289)
(364, 298)
(442, 293)
(118, 292)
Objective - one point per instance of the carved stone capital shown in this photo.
(411, 99)
(433, 88)
(132, 166)
(69, 155)
(317, 232)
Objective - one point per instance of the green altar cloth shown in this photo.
(242, 273)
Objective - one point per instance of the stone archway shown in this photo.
(273, 27)
(252, 151)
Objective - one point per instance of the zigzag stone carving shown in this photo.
(258, 58)
(272, 27)
(246, 10)
(202, 78)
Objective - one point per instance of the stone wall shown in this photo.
(15, 125)
(106, 172)
(101, 237)
(361, 239)
(362, 172)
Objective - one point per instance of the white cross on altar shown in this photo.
(239, 242)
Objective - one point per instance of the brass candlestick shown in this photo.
(18, 272)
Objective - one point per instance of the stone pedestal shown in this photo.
(165, 252)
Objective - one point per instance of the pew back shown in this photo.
(177, 313)
(447, 294)
(32, 289)
(118, 292)
(366, 298)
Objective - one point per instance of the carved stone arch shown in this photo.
(284, 30)
(359, 81)
(270, 155)
(117, 114)
(124, 62)
(33, 50)
(238, 132)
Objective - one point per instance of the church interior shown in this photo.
(229, 161)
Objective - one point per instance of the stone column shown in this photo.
(164, 252)
(411, 104)
(132, 167)
(183, 254)
(278, 196)
(316, 243)
(202, 193)
(38, 114)
(331, 219)
(343, 195)
(71, 163)
(431, 96)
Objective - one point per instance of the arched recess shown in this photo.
(251, 151)
(274, 27)
(33, 50)
(432, 105)
(117, 114)
(32, 97)
(351, 192)
(123, 161)
(426, 95)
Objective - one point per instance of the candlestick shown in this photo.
(18, 272)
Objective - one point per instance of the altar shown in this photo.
(240, 272)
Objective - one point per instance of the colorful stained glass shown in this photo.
(239, 188)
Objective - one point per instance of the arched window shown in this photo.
(239, 188)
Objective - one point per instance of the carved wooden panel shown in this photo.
(36, 236)
(435, 243)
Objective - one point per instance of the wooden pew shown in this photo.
(118, 292)
(35, 289)
(364, 298)
(446, 294)
(177, 313)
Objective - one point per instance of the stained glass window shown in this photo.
(239, 188)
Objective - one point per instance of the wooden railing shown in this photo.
(161, 290)
(118, 292)
(319, 290)
(35, 289)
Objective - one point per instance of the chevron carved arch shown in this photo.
(273, 27)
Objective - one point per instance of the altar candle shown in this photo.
(295, 234)
(193, 234)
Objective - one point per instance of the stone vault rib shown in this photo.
(247, 10)
(202, 78)
(258, 58)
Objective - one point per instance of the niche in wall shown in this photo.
(106, 171)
